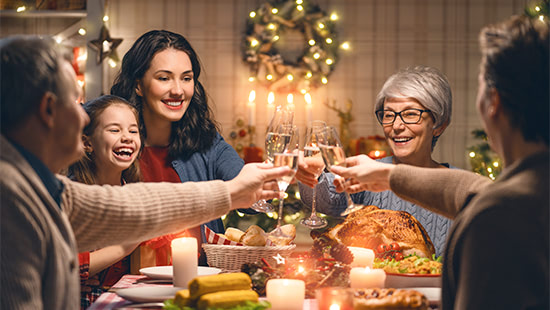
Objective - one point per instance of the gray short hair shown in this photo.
(426, 84)
(30, 67)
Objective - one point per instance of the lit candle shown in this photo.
(367, 278)
(270, 105)
(362, 257)
(334, 298)
(290, 100)
(251, 108)
(309, 108)
(185, 261)
(286, 294)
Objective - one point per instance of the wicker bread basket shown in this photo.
(230, 258)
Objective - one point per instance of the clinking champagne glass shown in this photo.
(334, 155)
(286, 157)
(314, 160)
(273, 143)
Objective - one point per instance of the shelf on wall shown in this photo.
(44, 13)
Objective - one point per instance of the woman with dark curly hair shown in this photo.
(160, 76)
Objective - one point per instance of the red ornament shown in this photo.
(242, 133)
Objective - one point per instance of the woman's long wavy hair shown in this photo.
(85, 170)
(196, 130)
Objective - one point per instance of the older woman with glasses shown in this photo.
(414, 108)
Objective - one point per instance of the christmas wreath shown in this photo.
(266, 29)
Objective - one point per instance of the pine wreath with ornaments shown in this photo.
(265, 33)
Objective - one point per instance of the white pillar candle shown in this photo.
(362, 257)
(184, 260)
(286, 294)
(270, 106)
(251, 108)
(309, 108)
(367, 277)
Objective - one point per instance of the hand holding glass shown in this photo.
(314, 160)
(334, 155)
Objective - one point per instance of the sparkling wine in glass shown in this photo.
(314, 160)
(333, 154)
(275, 142)
(287, 157)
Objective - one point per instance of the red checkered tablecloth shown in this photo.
(111, 300)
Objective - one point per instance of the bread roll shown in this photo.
(234, 234)
(253, 236)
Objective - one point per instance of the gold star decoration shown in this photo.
(105, 46)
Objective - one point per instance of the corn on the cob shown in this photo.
(226, 299)
(183, 298)
(219, 282)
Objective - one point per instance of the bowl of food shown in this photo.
(411, 271)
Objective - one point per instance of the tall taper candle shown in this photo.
(185, 260)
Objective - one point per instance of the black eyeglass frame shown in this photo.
(395, 114)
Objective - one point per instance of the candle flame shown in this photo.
(301, 269)
(307, 98)
(252, 96)
(290, 98)
(334, 307)
(270, 98)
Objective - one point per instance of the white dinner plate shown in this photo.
(432, 293)
(165, 272)
(148, 293)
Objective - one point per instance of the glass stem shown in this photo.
(313, 201)
(350, 202)
(280, 217)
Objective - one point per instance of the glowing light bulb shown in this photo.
(254, 42)
(321, 25)
(112, 63)
(290, 77)
(269, 77)
(472, 154)
(274, 10)
(495, 164)
(21, 9)
(82, 31)
(324, 80)
(276, 38)
(252, 14)
(333, 16)
(271, 26)
(334, 307)
(328, 40)
(489, 169)
(106, 18)
(251, 79)
(345, 45)
(311, 42)
(309, 75)
(299, 8)
(537, 8)
(299, 1)
(329, 61)
(541, 18)
(316, 55)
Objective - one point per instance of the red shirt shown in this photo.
(156, 167)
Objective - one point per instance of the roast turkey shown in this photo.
(372, 226)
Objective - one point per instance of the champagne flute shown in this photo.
(334, 155)
(274, 142)
(314, 160)
(287, 157)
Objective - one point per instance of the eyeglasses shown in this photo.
(409, 116)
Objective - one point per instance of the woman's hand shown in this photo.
(305, 173)
(363, 173)
(255, 181)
